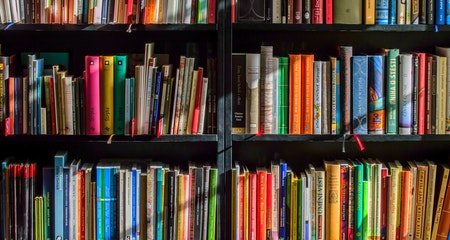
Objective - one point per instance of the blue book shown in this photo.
(377, 111)
(66, 174)
(38, 71)
(392, 12)
(382, 12)
(283, 187)
(156, 102)
(405, 94)
(107, 201)
(338, 99)
(99, 177)
(440, 12)
(360, 96)
(58, 206)
(113, 199)
(134, 202)
(447, 12)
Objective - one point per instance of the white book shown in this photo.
(275, 170)
(98, 12)
(68, 105)
(276, 96)
(140, 100)
(320, 203)
(128, 203)
(326, 98)
(401, 11)
(276, 11)
(252, 95)
(187, 11)
(121, 202)
(317, 97)
(206, 174)
(8, 13)
(266, 89)
(405, 94)
(73, 193)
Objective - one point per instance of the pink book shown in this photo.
(211, 11)
(92, 79)
(198, 96)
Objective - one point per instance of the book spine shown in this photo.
(369, 11)
(440, 12)
(440, 200)
(320, 205)
(317, 111)
(358, 200)
(92, 95)
(382, 12)
(58, 200)
(333, 205)
(156, 103)
(198, 99)
(404, 208)
(295, 79)
(360, 94)
(317, 10)
(392, 12)
(308, 93)
(429, 202)
(392, 91)
(345, 54)
(415, 11)
(212, 204)
(100, 207)
(422, 178)
(252, 95)
(239, 96)
(282, 201)
(261, 207)
(120, 70)
(328, 11)
(266, 89)
(283, 94)
(405, 115)
(376, 106)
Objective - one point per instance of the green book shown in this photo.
(283, 101)
(167, 105)
(392, 56)
(300, 181)
(120, 71)
(359, 200)
(212, 204)
(288, 202)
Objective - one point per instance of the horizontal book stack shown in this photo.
(354, 199)
(343, 12)
(109, 12)
(389, 91)
(111, 199)
(116, 95)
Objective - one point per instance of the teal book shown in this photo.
(120, 71)
(212, 204)
(392, 56)
(360, 95)
(159, 203)
(60, 160)
(100, 204)
(283, 101)
(358, 199)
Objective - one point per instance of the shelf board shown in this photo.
(340, 27)
(339, 138)
(115, 139)
(109, 27)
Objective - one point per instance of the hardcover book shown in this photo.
(348, 12)
(92, 79)
(405, 115)
(392, 90)
(345, 53)
(376, 105)
(360, 95)
(120, 70)
(251, 11)
(252, 92)
(239, 86)
(266, 89)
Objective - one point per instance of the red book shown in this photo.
(329, 11)
(81, 224)
(52, 104)
(92, 95)
(261, 204)
(421, 99)
(307, 93)
(344, 199)
(298, 16)
(198, 98)
(269, 205)
(11, 96)
(241, 206)
(253, 201)
(384, 198)
(317, 11)
(211, 11)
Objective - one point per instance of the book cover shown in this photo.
(199, 97)
(212, 204)
(283, 95)
(156, 103)
(443, 175)
(275, 94)
(335, 95)
(392, 12)
(326, 97)
(421, 193)
(360, 95)
(415, 11)
(317, 10)
(92, 78)
(392, 90)
(306, 9)
(444, 223)
(440, 12)
(250, 11)
(405, 215)
(348, 12)
(421, 92)
(120, 70)
(252, 92)
(445, 52)
(429, 204)
(405, 92)
(307, 88)
(261, 203)
(376, 105)
(369, 12)
(317, 110)
(333, 204)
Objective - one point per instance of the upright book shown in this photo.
(252, 92)
(360, 95)
(60, 160)
(92, 78)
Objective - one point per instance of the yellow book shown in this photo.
(106, 95)
(441, 95)
(333, 199)
(294, 206)
(369, 12)
(394, 200)
(180, 205)
(429, 205)
(38, 218)
(60, 76)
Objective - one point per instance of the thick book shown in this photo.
(429, 204)
(348, 12)
(391, 90)
(252, 92)
(377, 95)
(333, 204)
(317, 110)
(360, 93)
(250, 11)
(381, 12)
(120, 71)
(295, 97)
(405, 94)
(335, 104)
(307, 88)
(345, 53)
(441, 189)
(266, 89)
(421, 93)
(92, 78)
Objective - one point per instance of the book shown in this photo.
(283, 95)
(381, 12)
(360, 94)
(317, 109)
(443, 227)
(92, 78)
(429, 202)
(421, 193)
(333, 204)
(307, 86)
(376, 106)
(335, 100)
(60, 160)
(295, 97)
(405, 92)
(392, 90)
(345, 53)
(248, 11)
(348, 12)
(120, 70)
(266, 89)
(252, 92)
(443, 174)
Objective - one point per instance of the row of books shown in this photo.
(112, 199)
(158, 99)
(388, 92)
(108, 11)
(343, 12)
(342, 199)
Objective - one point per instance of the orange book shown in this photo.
(261, 193)
(295, 97)
(81, 204)
(444, 223)
(369, 12)
(307, 86)
(421, 193)
(252, 221)
(405, 215)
